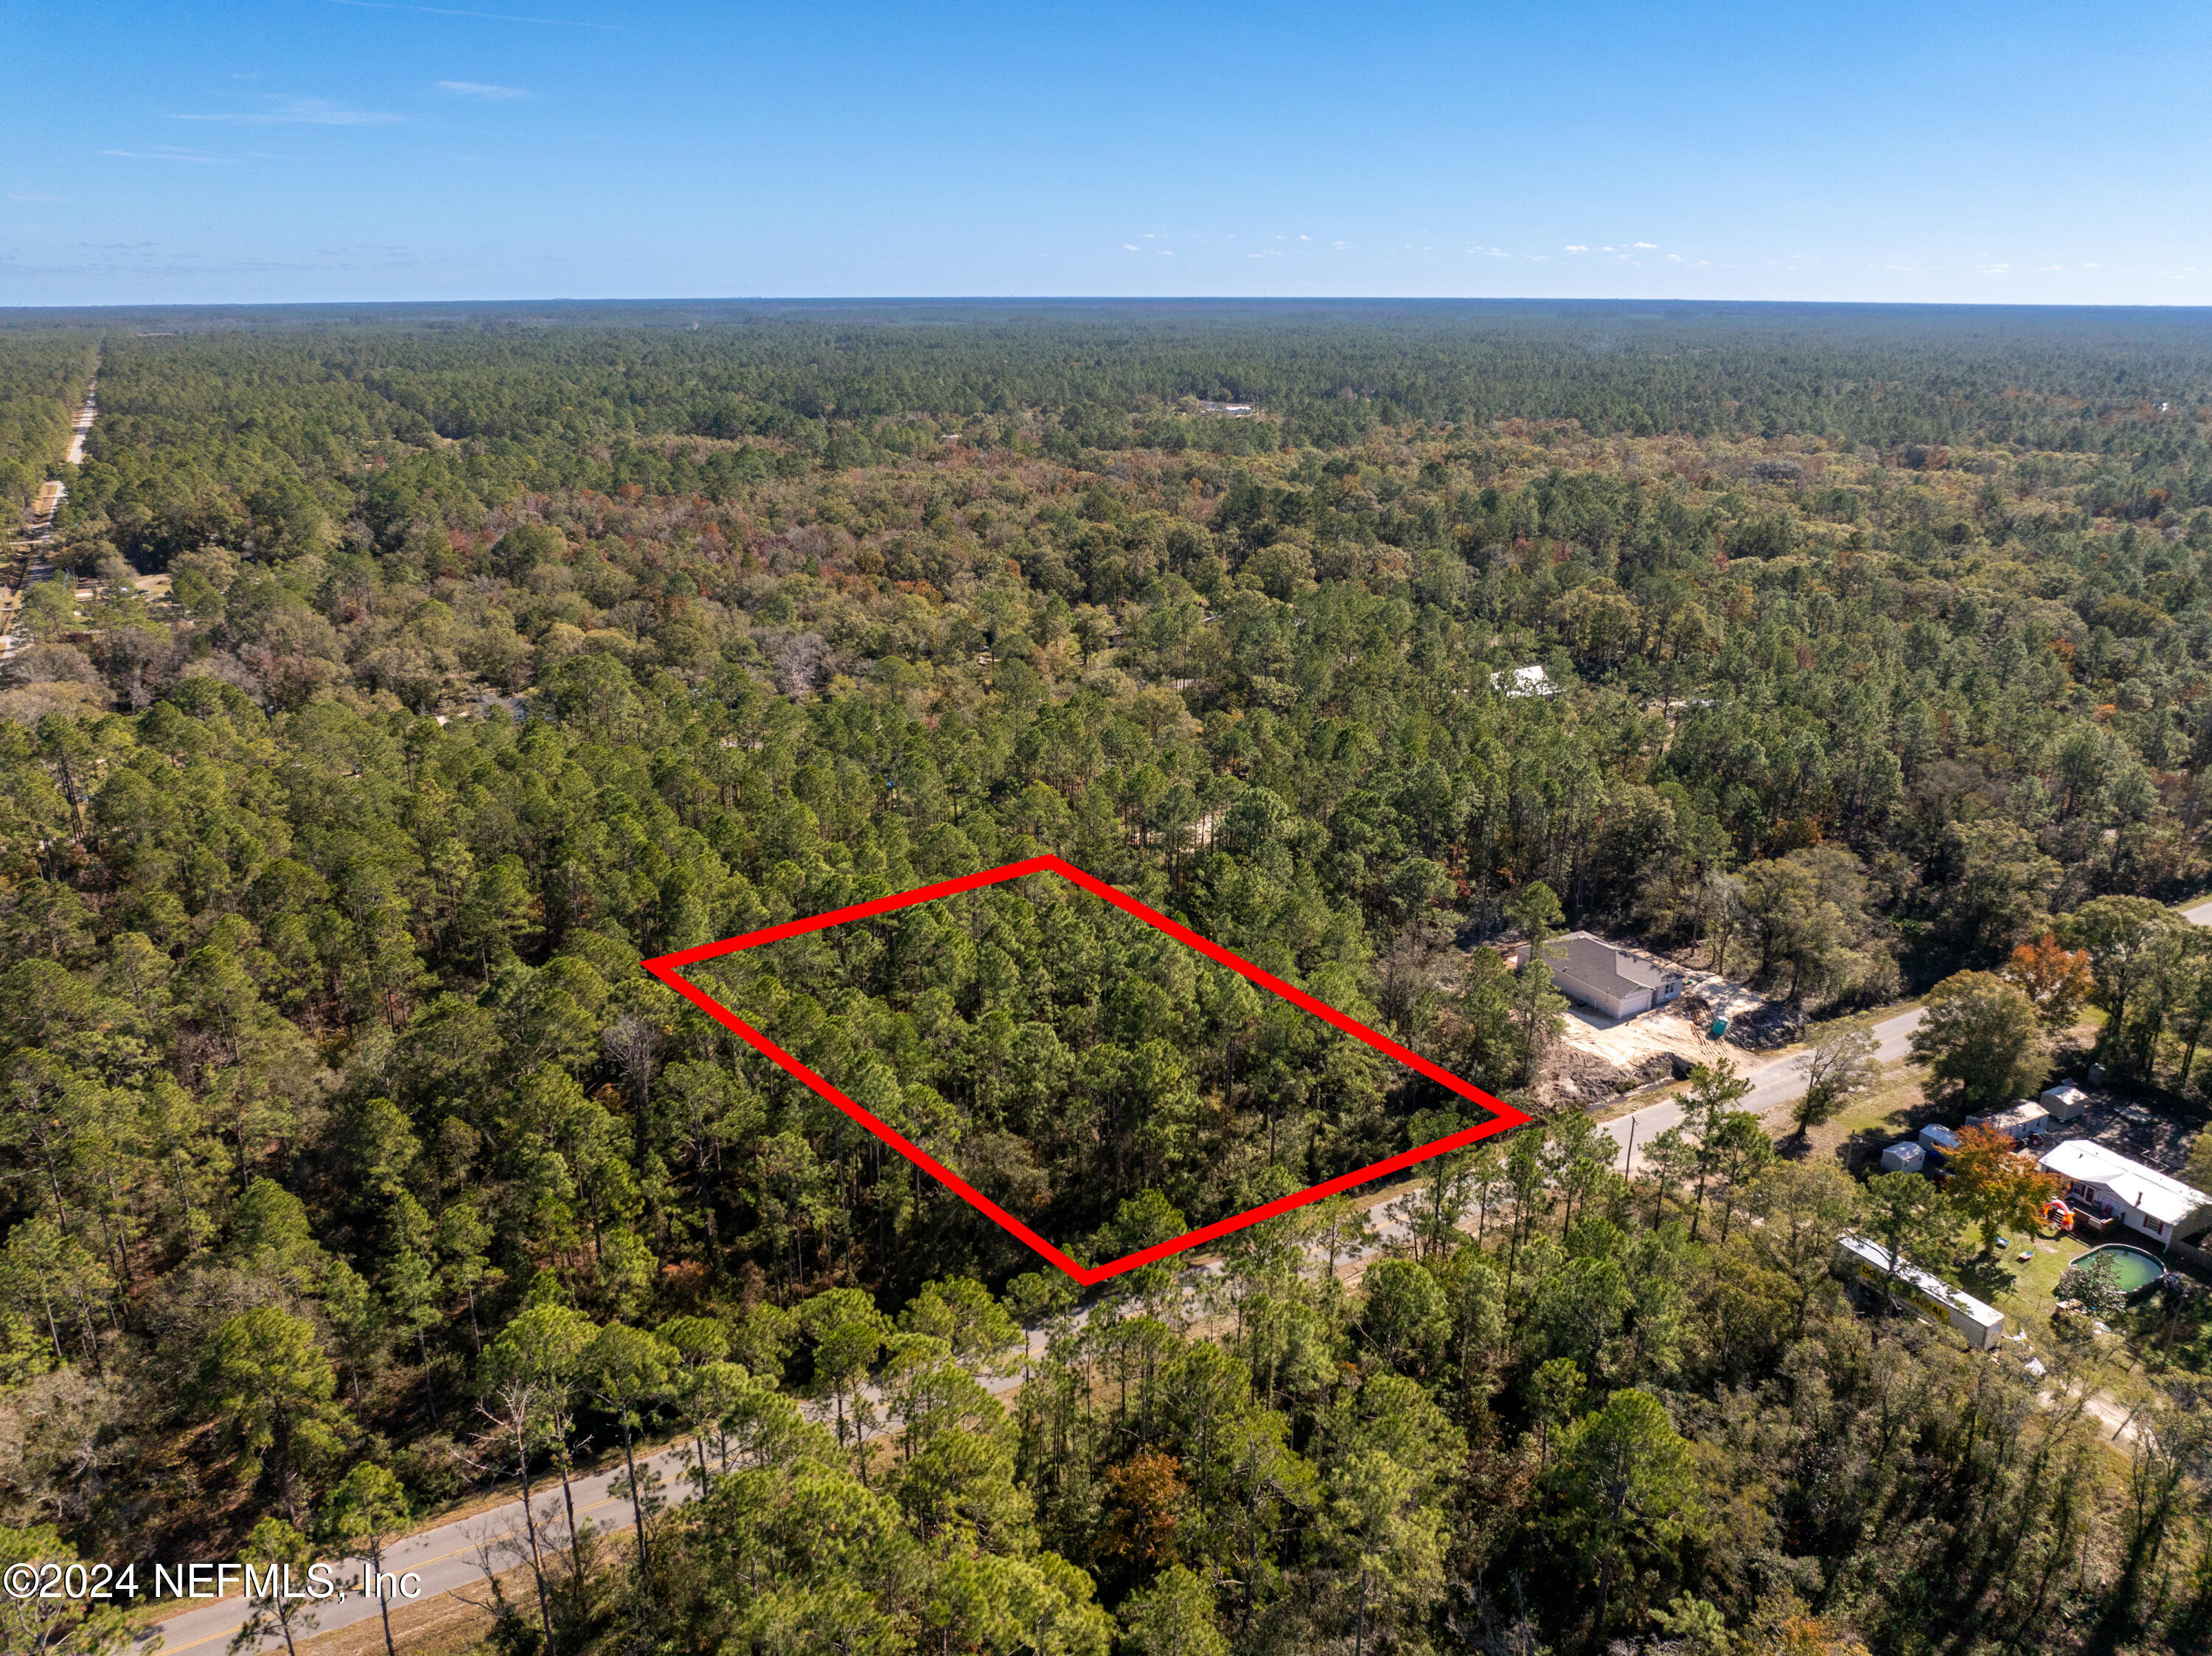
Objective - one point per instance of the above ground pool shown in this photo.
(2138, 1269)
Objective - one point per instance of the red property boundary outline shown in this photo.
(669, 969)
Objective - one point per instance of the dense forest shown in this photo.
(420, 673)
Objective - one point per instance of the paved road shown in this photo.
(1777, 1083)
(1781, 1081)
(445, 1557)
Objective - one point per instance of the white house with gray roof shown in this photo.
(1589, 969)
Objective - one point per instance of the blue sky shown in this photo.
(336, 149)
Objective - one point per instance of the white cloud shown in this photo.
(1340, 243)
(1305, 238)
(1578, 248)
(1266, 252)
(1995, 270)
(1132, 246)
(482, 89)
(1673, 258)
(1495, 252)
(301, 111)
(166, 153)
(1167, 252)
(2093, 267)
(2049, 266)
(1647, 243)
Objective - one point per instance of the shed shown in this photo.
(1938, 1139)
(2064, 1102)
(2098, 1178)
(1982, 1324)
(2015, 1121)
(1595, 973)
(1904, 1157)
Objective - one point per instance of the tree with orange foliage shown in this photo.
(1998, 1184)
(2057, 978)
(1151, 1499)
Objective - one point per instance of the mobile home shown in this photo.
(1982, 1324)
(2098, 1178)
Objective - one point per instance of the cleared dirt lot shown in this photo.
(1637, 1047)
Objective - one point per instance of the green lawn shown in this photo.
(2024, 1290)
(1895, 1109)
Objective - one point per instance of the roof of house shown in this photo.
(1526, 681)
(2145, 1189)
(1596, 964)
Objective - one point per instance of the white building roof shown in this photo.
(1955, 1299)
(1526, 681)
(2023, 1115)
(2159, 1195)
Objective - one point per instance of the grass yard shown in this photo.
(1895, 1109)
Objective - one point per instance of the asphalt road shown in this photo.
(445, 1557)
(1776, 1083)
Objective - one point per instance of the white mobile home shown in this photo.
(2142, 1198)
(1982, 1324)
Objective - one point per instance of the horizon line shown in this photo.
(7, 309)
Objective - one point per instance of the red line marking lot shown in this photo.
(669, 968)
